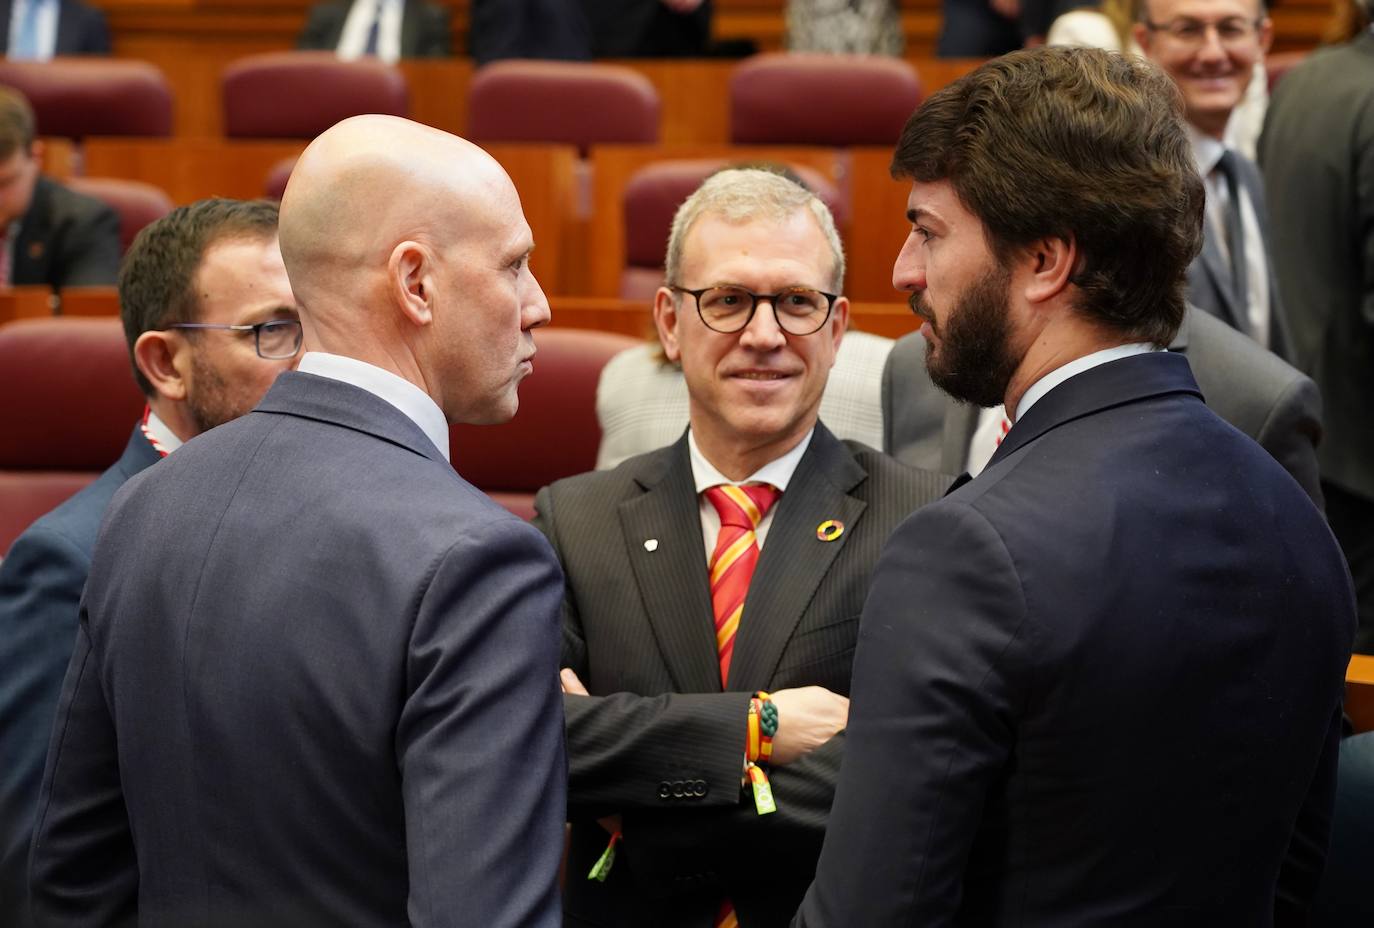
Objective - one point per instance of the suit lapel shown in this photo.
(794, 560)
(672, 577)
(410, 28)
(1115, 383)
(1218, 273)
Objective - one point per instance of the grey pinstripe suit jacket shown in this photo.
(638, 631)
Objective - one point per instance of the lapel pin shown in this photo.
(830, 529)
(651, 545)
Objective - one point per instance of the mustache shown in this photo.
(918, 305)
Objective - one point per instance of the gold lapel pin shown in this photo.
(830, 529)
(651, 545)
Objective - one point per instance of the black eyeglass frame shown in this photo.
(256, 328)
(772, 299)
(1253, 25)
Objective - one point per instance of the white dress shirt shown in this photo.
(47, 28)
(777, 472)
(353, 38)
(418, 406)
(984, 442)
(159, 435)
(1207, 151)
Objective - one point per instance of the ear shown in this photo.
(164, 358)
(410, 281)
(1050, 262)
(1143, 37)
(36, 150)
(666, 320)
(839, 320)
(1266, 34)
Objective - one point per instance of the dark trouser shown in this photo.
(973, 29)
(1344, 899)
(1352, 520)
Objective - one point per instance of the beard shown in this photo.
(974, 361)
(210, 401)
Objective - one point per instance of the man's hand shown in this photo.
(571, 685)
(1007, 9)
(808, 717)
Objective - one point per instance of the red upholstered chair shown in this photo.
(652, 197)
(297, 95)
(562, 102)
(136, 203)
(837, 100)
(77, 97)
(554, 434)
(275, 185)
(71, 405)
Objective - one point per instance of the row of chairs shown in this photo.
(80, 368)
(781, 99)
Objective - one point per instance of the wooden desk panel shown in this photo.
(25, 303)
(879, 226)
(90, 301)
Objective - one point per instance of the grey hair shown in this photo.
(740, 195)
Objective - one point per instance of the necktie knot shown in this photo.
(744, 506)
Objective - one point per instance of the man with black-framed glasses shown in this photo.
(713, 586)
(211, 321)
(1209, 48)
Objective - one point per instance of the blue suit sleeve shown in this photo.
(937, 674)
(40, 594)
(480, 742)
(83, 870)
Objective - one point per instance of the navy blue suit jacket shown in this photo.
(1098, 685)
(40, 590)
(81, 29)
(315, 683)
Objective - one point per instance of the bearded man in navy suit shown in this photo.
(1101, 682)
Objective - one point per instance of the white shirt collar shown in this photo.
(418, 405)
(1075, 367)
(1207, 151)
(159, 435)
(777, 472)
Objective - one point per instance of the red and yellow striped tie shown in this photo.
(741, 509)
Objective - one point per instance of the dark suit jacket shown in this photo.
(638, 631)
(315, 683)
(40, 591)
(1318, 157)
(646, 28)
(425, 31)
(1098, 685)
(527, 29)
(1247, 386)
(81, 29)
(66, 239)
(1209, 274)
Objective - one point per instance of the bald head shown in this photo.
(407, 248)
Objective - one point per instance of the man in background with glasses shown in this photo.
(1209, 48)
(211, 322)
(714, 585)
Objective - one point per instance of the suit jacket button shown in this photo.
(678, 789)
(665, 790)
(701, 789)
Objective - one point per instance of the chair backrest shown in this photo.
(813, 99)
(137, 203)
(299, 94)
(81, 96)
(555, 433)
(564, 102)
(652, 198)
(274, 185)
(72, 404)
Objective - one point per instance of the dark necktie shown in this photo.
(374, 31)
(1235, 240)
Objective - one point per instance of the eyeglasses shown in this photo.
(798, 310)
(1192, 33)
(274, 340)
